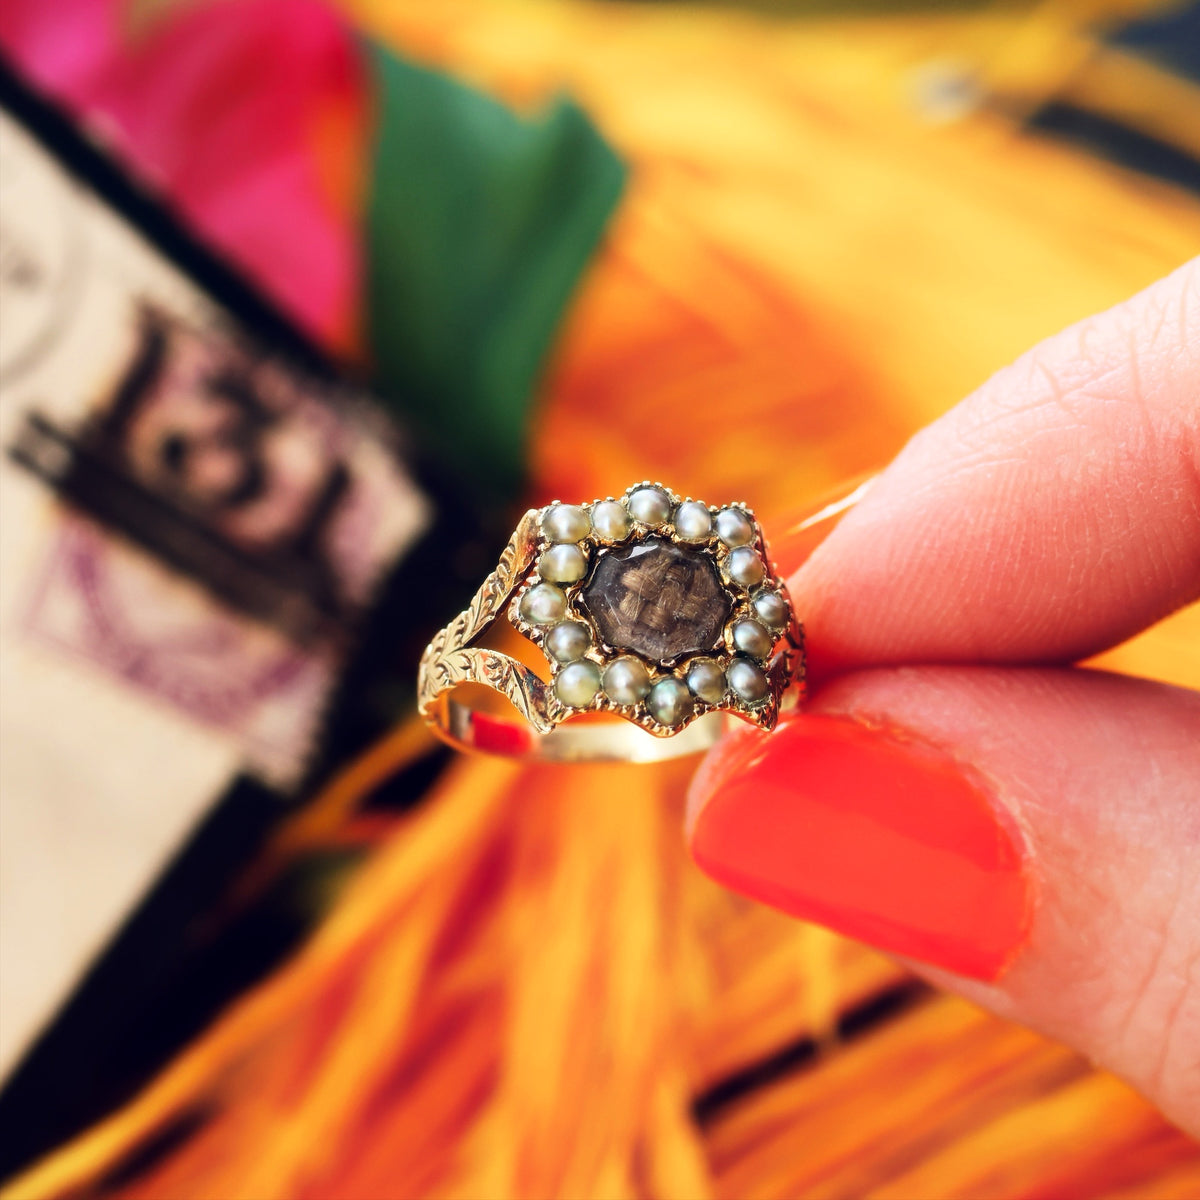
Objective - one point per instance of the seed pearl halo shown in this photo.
(661, 693)
(748, 681)
(752, 638)
(650, 505)
(693, 521)
(744, 566)
(563, 563)
(734, 528)
(770, 608)
(568, 640)
(610, 520)
(626, 680)
(543, 604)
(670, 702)
(566, 523)
(707, 680)
(577, 683)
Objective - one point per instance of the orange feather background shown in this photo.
(528, 991)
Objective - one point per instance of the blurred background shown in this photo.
(301, 304)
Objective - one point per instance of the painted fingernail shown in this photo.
(872, 833)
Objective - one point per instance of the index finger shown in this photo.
(1050, 515)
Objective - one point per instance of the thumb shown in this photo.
(1031, 835)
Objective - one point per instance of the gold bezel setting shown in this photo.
(765, 656)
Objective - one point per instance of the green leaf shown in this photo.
(479, 226)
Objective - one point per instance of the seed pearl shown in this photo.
(751, 638)
(707, 680)
(566, 523)
(562, 564)
(693, 521)
(734, 527)
(577, 683)
(610, 520)
(771, 609)
(626, 681)
(650, 505)
(543, 604)
(744, 566)
(747, 681)
(669, 702)
(568, 640)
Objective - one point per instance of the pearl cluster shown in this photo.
(588, 675)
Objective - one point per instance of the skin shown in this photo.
(1049, 516)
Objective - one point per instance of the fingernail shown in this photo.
(795, 537)
(869, 832)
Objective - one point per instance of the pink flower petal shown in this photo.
(219, 106)
(60, 44)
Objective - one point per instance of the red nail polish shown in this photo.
(871, 833)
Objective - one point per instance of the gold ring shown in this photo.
(663, 611)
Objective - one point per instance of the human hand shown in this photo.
(1027, 831)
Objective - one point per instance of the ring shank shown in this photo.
(468, 728)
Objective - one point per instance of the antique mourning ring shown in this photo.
(661, 611)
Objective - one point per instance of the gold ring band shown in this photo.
(663, 611)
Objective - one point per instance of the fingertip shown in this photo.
(1033, 829)
(1049, 516)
